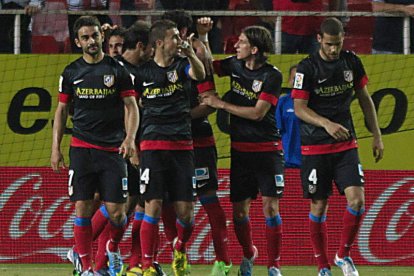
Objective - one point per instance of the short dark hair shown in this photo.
(261, 38)
(86, 20)
(138, 32)
(118, 31)
(181, 17)
(331, 26)
(159, 28)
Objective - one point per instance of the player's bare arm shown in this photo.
(127, 147)
(204, 26)
(59, 124)
(303, 112)
(368, 108)
(202, 110)
(197, 71)
(255, 113)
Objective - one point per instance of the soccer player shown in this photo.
(115, 39)
(256, 156)
(100, 89)
(167, 160)
(205, 152)
(288, 125)
(324, 85)
(136, 51)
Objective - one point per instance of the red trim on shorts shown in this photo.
(272, 99)
(329, 148)
(204, 142)
(217, 67)
(260, 146)
(128, 93)
(362, 82)
(166, 145)
(64, 98)
(300, 94)
(205, 86)
(77, 143)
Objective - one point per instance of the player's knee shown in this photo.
(356, 204)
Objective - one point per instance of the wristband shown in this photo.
(203, 37)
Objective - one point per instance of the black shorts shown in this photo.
(251, 172)
(94, 170)
(167, 171)
(133, 180)
(206, 169)
(318, 172)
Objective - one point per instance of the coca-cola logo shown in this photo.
(388, 226)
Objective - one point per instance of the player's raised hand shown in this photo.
(204, 25)
(57, 161)
(186, 45)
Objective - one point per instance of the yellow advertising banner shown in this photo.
(28, 98)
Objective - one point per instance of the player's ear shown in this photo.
(319, 37)
(254, 50)
(77, 42)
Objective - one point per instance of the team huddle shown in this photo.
(142, 148)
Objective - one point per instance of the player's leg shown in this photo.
(270, 176)
(350, 180)
(82, 185)
(316, 175)
(207, 185)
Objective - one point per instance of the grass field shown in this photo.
(203, 270)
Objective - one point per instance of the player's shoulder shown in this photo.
(349, 55)
(272, 69)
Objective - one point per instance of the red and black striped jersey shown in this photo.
(247, 87)
(97, 91)
(166, 121)
(329, 87)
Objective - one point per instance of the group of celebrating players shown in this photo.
(142, 148)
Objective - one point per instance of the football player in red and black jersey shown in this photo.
(256, 156)
(167, 160)
(100, 89)
(323, 90)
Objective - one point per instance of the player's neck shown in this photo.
(163, 60)
(131, 57)
(91, 59)
(252, 64)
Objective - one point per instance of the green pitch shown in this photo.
(203, 270)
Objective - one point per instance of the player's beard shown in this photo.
(93, 49)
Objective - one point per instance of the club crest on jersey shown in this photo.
(109, 80)
(172, 76)
(348, 76)
(257, 85)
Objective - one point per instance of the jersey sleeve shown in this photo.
(278, 113)
(125, 83)
(361, 78)
(65, 87)
(223, 67)
(303, 83)
(206, 85)
(272, 85)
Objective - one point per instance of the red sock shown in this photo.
(101, 259)
(157, 244)
(116, 233)
(243, 230)
(149, 233)
(352, 222)
(136, 240)
(319, 239)
(99, 221)
(217, 220)
(184, 231)
(83, 241)
(274, 240)
(168, 219)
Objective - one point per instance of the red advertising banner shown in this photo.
(36, 221)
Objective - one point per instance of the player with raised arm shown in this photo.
(99, 88)
(205, 152)
(167, 160)
(323, 90)
(256, 156)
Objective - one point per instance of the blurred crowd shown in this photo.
(52, 33)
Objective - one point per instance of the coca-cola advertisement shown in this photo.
(36, 220)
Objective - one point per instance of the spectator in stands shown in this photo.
(388, 31)
(115, 41)
(288, 125)
(76, 5)
(299, 32)
(31, 7)
(132, 5)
